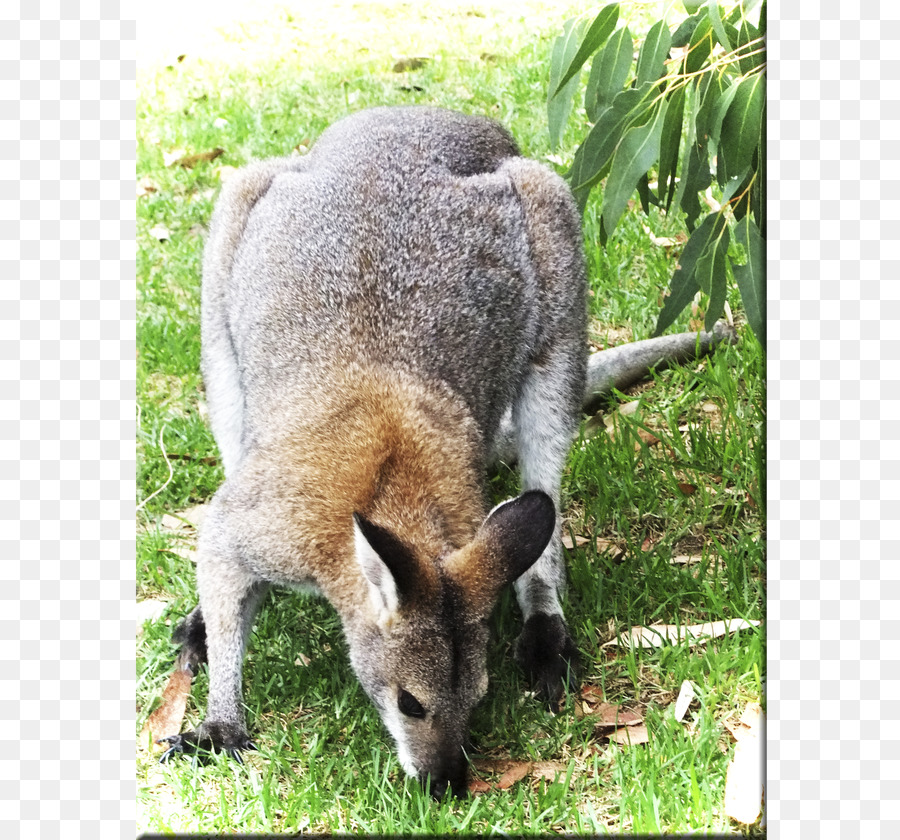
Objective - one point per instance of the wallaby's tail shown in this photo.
(622, 366)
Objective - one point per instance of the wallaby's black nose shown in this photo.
(439, 788)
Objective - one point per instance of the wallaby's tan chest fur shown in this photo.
(376, 444)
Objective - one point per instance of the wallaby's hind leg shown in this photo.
(547, 410)
(544, 429)
(229, 600)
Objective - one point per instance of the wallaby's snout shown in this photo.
(453, 778)
(422, 657)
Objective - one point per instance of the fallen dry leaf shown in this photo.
(166, 720)
(146, 187)
(658, 634)
(479, 786)
(685, 697)
(744, 788)
(191, 517)
(686, 559)
(413, 62)
(649, 542)
(190, 161)
(512, 771)
(515, 774)
(223, 173)
(548, 770)
(149, 610)
(603, 545)
(579, 541)
(631, 735)
(172, 157)
(604, 714)
(646, 438)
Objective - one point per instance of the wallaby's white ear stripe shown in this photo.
(382, 586)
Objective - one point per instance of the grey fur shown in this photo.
(412, 249)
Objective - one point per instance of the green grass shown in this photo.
(325, 762)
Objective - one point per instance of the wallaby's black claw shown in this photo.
(209, 737)
(172, 751)
(180, 745)
(549, 656)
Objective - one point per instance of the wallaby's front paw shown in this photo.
(210, 736)
(549, 656)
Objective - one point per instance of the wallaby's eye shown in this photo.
(409, 705)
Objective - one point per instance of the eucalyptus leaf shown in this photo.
(700, 46)
(669, 145)
(559, 106)
(682, 35)
(683, 285)
(638, 150)
(654, 52)
(739, 135)
(751, 277)
(631, 107)
(715, 18)
(609, 70)
(710, 268)
(594, 38)
(750, 48)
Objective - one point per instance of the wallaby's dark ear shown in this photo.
(387, 563)
(507, 544)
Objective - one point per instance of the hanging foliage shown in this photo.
(667, 118)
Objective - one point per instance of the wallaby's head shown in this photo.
(421, 652)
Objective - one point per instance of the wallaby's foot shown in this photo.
(549, 656)
(210, 736)
(190, 633)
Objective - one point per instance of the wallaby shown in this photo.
(371, 312)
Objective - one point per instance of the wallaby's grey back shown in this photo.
(400, 239)
(370, 313)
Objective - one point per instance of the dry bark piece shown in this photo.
(167, 719)
(190, 161)
(657, 635)
(744, 786)
(413, 62)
